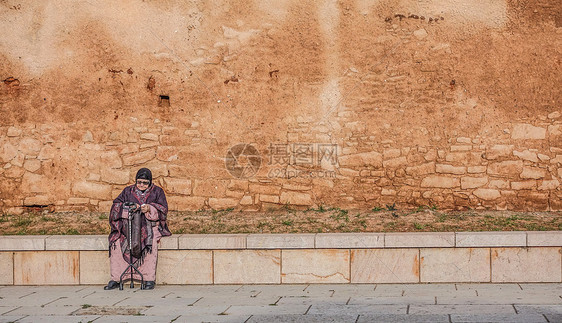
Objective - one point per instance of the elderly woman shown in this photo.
(153, 211)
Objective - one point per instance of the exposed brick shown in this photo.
(476, 169)
(180, 186)
(499, 151)
(549, 185)
(92, 190)
(391, 153)
(265, 189)
(222, 203)
(296, 198)
(185, 203)
(396, 162)
(269, 198)
(498, 183)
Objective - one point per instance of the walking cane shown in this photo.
(131, 210)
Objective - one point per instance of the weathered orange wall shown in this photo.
(452, 103)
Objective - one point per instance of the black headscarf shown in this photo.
(144, 173)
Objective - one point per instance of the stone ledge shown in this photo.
(371, 240)
(491, 239)
(419, 240)
(281, 241)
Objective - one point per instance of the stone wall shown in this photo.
(252, 106)
(483, 257)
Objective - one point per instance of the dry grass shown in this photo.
(287, 220)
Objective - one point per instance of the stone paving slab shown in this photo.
(8, 318)
(461, 309)
(44, 311)
(315, 318)
(328, 309)
(131, 318)
(407, 318)
(266, 310)
(186, 310)
(213, 319)
(306, 300)
(420, 300)
(58, 319)
(240, 300)
(540, 309)
(498, 318)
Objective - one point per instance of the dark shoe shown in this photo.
(149, 285)
(111, 285)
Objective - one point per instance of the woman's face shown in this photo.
(142, 184)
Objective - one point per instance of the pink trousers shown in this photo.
(117, 263)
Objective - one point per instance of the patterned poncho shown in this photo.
(154, 196)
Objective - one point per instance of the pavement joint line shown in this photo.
(374, 289)
(200, 298)
(546, 318)
(280, 297)
(120, 301)
(450, 319)
(27, 295)
(224, 312)
(333, 292)
(357, 319)
(256, 295)
(167, 295)
(435, 300)
(520, 286)
(81, 289)
(476, 292)
(348, 300)
(306, 287)
(239, 288)
(62, 297)
(308, 309)
(515, 309)
(89, 294)
(13, 309)
(248, 318)
(408, 309)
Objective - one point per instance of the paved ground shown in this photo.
(285, 303)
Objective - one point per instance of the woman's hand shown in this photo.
(145, 208)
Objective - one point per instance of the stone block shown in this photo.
(149, 136)
(139, 158)
(524, 185)
(499, 151)
(80, 242)
(247, 200)
(30, 146)
(212, 241)
(532, 172)
(94, 267)
(491, 239)
(463, 265)
(92, 190)
(6, 268)
(210, 188)
(22, 243)
(384, 266)
(46, 268)
(487, 194)
(549, 185)
(476, 169)
(423, 169)
(264, 189)
(349, 240)
(506, 168)
(315, 266)
(395, 162)
(247, 266)
(238, 185)
(222, 203)
(527, 131)
(115, 176)
(38, 200)
(110, 159)
(461, 147)
(8, 152)
(544, 239)
(555, 130)
(498, 183)
(296, 198)
(282, 241)
(32, 165)
(440, 182)
(362, 159)
(391, 153)
(468, 182)
(185, 267)
(537, 264)
(169, 243)
(419, 240)
(35, 183)
(269, 198)
(450, 169)
(526, 155)
(167, 153)
(180, 186)
(185, 203)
